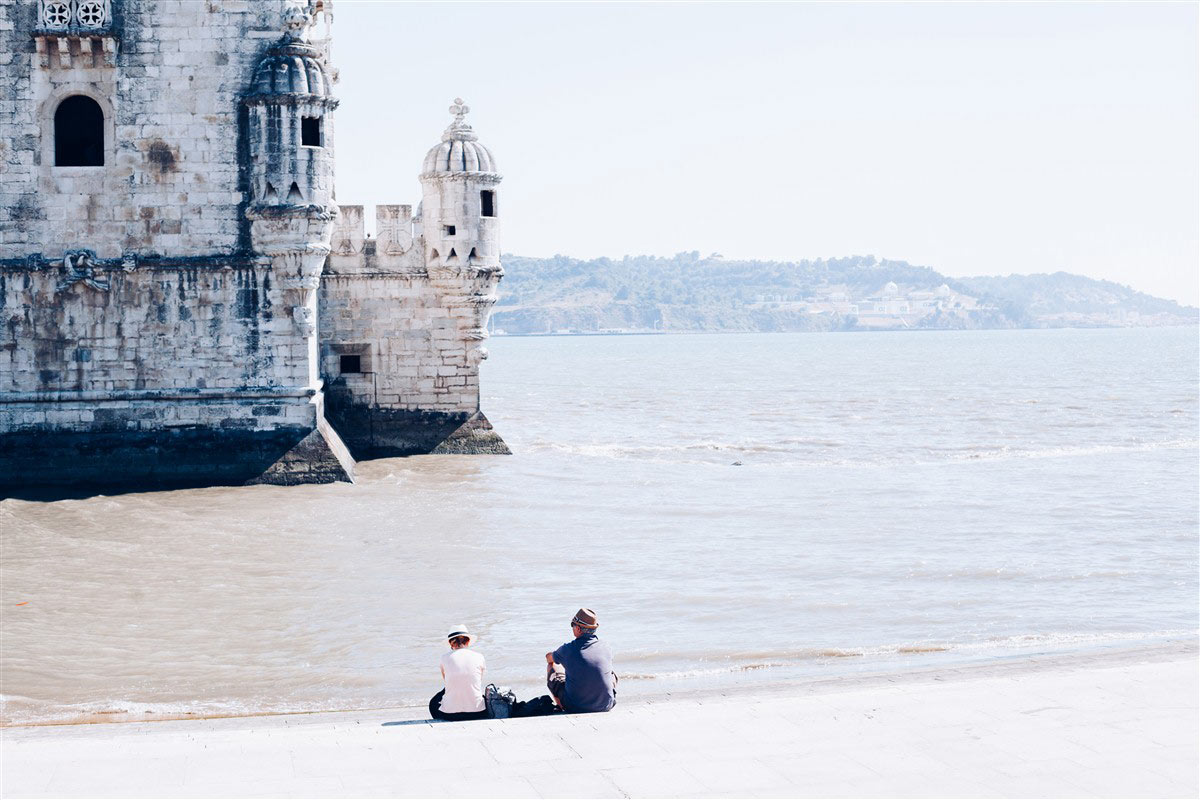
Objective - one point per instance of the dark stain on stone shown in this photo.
(243, 180)
(247, 295)
(266, 297)
(26, 210)
(162, 156)
(247, 310)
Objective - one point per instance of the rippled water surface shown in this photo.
(736, 509)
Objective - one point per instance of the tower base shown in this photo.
(320, 457)
(476, 436)
(374, 432)
(51, 465)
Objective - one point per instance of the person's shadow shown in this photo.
(411, 722)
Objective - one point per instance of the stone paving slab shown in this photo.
(1123, 726)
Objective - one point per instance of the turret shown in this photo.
(460, 206)
(291, 123)
(290, 137)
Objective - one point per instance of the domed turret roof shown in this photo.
(291, 67)
(459, 150)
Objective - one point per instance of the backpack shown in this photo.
(499, 700)
(537, 707)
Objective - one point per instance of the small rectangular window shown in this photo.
(447, 230)
(351, 365)
(310, 131)
(487, 203)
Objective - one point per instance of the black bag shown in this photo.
(537, 707)
(500, 701)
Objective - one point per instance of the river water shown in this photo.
(737, 509)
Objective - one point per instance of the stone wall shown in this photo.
(413, 336)
(169, 327)
(411, 352)
(184, 371)
(171, 182)
(415, 387)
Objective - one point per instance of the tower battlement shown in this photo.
(391, 249)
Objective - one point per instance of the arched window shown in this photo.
(78, 133)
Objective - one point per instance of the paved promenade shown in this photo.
(1118, 725)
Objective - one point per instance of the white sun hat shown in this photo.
(459, 630)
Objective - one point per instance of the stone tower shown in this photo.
(182, 301)
(404, 318)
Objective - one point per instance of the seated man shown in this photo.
(579, 674)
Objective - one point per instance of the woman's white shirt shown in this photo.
(463, 669)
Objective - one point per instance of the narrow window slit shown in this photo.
(310, 132)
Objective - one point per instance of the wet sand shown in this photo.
(1111, 724)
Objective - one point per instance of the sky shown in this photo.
(974, 138)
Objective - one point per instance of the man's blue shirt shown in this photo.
(588, 663)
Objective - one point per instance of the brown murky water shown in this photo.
(902, 498)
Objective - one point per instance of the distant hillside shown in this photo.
(1064, 296)
(691, 293)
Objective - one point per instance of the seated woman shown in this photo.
(462, 672)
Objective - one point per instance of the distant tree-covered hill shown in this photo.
(1062, 293)
(688, 292)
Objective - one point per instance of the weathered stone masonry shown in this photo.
(182, 300)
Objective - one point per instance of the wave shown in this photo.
(20, 710)
(814, 452)
(999, 645)
(16, 710)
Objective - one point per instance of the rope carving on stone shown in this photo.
(79, 266)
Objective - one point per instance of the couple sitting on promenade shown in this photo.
(579, 676)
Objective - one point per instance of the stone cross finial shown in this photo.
(459, 110)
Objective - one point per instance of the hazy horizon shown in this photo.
(975, 139)
(668, 256)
